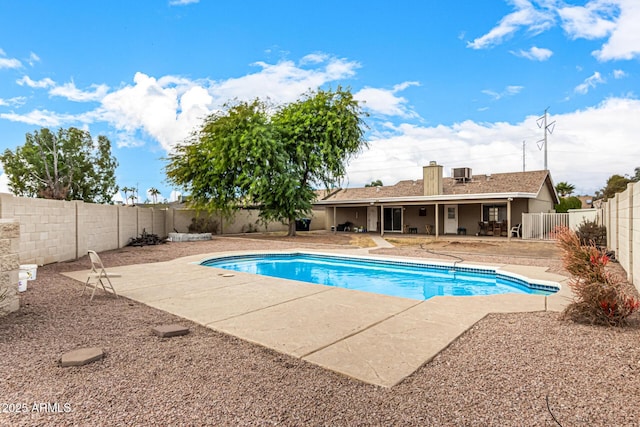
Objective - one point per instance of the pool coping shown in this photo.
(373, 338)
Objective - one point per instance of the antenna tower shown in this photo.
(523, 155)
(548, 128)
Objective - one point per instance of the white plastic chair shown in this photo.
(98, 275)
(517, 230)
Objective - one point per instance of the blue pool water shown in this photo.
(395, 278)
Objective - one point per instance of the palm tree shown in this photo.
(154, 193)
(126, 191)
(565, 189)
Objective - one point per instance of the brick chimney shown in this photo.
(432, 177)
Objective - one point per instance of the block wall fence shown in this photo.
(55, 231)
(622, 219)
(9, 266)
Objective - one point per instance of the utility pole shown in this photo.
(548, 128)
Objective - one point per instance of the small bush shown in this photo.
(599, 296)
(204, 225)
(591, 231)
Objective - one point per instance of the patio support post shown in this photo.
(509, 218)
(381, 220)
(437, 221)
(335, 227)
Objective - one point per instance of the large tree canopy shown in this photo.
(245, 156)
(615, 184)
(67, 165)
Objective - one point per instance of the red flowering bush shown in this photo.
(599, 295)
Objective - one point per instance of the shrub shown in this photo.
(599, 296)
(591, 231)
(204, 225)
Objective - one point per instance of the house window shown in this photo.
(422, 211)
(494, 213)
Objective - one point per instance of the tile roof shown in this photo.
(511, 182)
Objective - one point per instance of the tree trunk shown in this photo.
(292, 228)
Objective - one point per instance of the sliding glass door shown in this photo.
(392, 219)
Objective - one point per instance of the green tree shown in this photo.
(67, 165)
(242, 156)
(154, 194)
(376, 183)
(567, 203)
(615, 184)
(565, 189)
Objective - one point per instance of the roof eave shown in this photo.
(427, 199)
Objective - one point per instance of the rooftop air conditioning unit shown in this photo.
(462, 174)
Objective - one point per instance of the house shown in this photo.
(461, 204)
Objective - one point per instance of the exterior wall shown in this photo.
(412, 218)
(622, 219)
(9, 265)
(468, 217)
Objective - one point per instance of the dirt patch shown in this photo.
(480, 246)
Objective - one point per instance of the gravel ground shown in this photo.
(507, 370)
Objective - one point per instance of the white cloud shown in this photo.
(589, 83)
(10, 63)
(526, 15)
(284, 81)
(535, 53)
(600, 140)
(624, 42)
(15, 101)
(4, 183)
(594, 20)
(182, 2)
(72, 93)
(33, 58)
(385, 101)
(615, 20)
(169, 108)
(618, 74)
(43, 118)
(508, 91)
(41, 84)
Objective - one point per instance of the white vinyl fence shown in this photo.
(540, 226)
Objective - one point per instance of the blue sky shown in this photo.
(459, 82)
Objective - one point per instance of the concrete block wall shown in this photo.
(145, 220)
(180, 219)
(622, 219)
(47, 228)
(9, 265)
(635, 234)
(55, 230)
(127, 224)
(97, 228)
(158, 225)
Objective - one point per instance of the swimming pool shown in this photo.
(405, 279)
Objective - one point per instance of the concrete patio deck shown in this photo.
(373, 338)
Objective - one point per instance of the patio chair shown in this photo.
(98, 275)
(517, 230)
